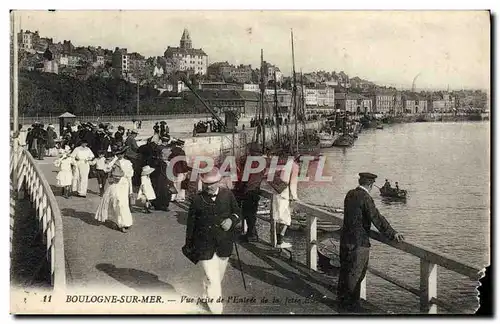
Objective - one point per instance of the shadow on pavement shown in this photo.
(181, 217)
(296, 281)
(84, 216)
(139, 280)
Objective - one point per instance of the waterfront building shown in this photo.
(414, 103)
(353, 102)
(251, 87)
(443, 103)
(189, 58)
(219, 86)
(326, 96)
(383, 101)
(242, 102)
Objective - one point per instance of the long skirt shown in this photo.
(282, 212)
(114, 204)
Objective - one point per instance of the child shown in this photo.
(101, 171)
(65, 174)
(146, 191)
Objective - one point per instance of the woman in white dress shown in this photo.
(115, 205)
(282, 211)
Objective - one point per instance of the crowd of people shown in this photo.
(207, 126)
(117, 161)
(130, 174)
(39, 141)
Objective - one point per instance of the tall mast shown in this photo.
(294, 96)
(303, 100)
(262, 90)
(276, 108)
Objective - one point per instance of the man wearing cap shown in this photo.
(82, 155)
(359, 213)
(212, 216)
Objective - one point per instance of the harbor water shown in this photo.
(445, 167)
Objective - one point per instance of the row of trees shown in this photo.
(45, 94)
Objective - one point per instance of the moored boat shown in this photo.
(344, 141)
(393, 193)
(326, 140)
(329, 253)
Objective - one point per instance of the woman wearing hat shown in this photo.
(146, 191)
(82, 155)
(162, 185)
(285, 190)
(115, 205)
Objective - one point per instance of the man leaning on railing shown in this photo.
(359, 213)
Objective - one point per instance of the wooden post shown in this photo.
(312, 248)
(273, 227)
(428, 287)
(362, 291)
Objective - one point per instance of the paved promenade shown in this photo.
(149, 259)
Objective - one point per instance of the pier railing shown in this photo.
(429, 259)
(28, 178)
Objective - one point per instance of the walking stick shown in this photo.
(239, 264)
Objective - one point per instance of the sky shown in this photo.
(440, 48)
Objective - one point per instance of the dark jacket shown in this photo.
(133, 149)
(180, 166)
(203, 232)
(51, 136)
(118, 138)
(359, 213)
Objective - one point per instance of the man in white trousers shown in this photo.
(212, 217)
(82, 155)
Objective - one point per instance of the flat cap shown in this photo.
(368, 175)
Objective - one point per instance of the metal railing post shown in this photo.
(428, 287)
(273, 227)
(362, 291)
(312, 247)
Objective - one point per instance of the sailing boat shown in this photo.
(346, 139)
(308, 142)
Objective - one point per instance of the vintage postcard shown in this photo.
(249, 162)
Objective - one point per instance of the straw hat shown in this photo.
(147, 170)
(213, 176)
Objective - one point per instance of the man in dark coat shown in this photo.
(134, 156)
(359, 213)
(247, 191)
(212, 217)
(41, 137)
(179, 169)
(160, 179)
